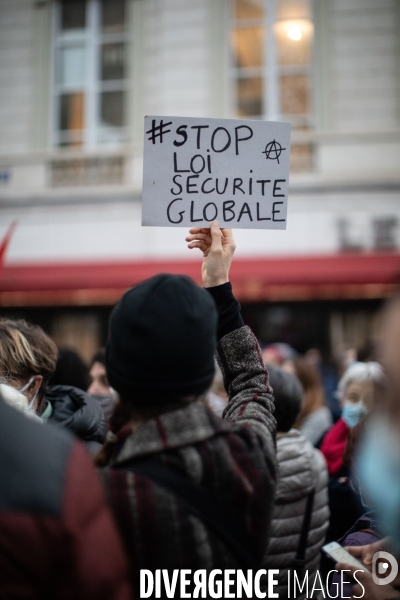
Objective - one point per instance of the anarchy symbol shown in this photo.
(273, 150)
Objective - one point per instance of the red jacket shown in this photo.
(57, 538)
(334, 445)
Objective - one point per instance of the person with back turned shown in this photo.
(301, 513)
(57, 537)
(189, 490)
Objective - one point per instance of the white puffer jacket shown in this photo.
(302, 468)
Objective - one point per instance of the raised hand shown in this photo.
(217, 246)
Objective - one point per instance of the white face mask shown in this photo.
(18, 400)
(25, 387)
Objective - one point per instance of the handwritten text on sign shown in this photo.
(199, 170)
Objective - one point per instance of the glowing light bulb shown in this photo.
(294, 32)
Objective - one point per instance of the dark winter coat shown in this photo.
(232, 459)
(107, 403)
(57, 539)
(78, 412)
(363, 532)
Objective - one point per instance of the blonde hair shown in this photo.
(25, 350)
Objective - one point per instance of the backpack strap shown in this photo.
(300, 562)
(204, 505)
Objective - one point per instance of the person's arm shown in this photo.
(239, 355)
(229, 315)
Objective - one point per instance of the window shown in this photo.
(90, 79)
(272, 65)
(384, 233)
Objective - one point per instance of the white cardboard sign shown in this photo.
(199, 170)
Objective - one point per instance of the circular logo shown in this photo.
(384, 568)
(273, 150)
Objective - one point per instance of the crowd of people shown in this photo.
(159, 458)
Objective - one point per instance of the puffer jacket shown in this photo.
(301, 469)
(78, 412)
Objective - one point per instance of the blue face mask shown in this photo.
(352, 413)
(378, 468)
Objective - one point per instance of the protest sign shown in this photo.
(199, 170)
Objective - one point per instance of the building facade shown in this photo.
(77, 78)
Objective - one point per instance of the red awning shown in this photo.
(341, 276)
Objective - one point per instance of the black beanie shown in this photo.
(162, 339)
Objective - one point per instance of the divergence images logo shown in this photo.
(384, 568)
